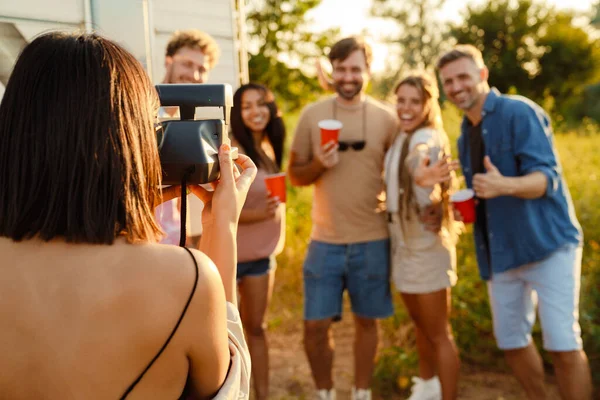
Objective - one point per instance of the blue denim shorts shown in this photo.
(361, 268)
(553, 285)
(255, 268)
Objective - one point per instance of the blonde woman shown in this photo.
(423, 262)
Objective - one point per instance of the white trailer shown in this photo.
(141, 26)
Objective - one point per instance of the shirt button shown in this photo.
(490, 235)
(484, 131)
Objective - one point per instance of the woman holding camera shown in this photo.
(259, 132)
(423, 262)
(91, 306)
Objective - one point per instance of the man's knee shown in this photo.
(517, 352)
(365, 325)
(439, 338)
(567, 359)
(316, 331)
(255, 329)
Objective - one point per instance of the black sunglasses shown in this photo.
(356, 146)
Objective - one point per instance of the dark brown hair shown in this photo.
(78, 154)
(461, 51)
(274, 131)
(197, 40)
(343, 48)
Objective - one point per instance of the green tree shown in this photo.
(595, 15)
(280, 32)
(421, 37)
(533, 50)
(507, 36)
(420, 33)
(568, 53)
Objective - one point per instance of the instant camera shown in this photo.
(188, 148)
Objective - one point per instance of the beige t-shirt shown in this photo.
(348, 198)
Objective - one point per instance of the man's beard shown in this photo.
(348, 95)
(170, 77)
(468, 104)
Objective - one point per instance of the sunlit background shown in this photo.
(276, 42)
(356, 19)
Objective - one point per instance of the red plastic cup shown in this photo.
(330, 130)
(276, 186)
(464, 202)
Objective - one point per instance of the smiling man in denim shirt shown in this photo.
(527, 237)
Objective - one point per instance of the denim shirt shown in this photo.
(517, 136)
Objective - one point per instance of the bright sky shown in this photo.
(355, 19)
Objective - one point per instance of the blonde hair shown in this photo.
(427, 87)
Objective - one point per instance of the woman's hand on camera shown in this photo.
(225, 203)
(222, 208)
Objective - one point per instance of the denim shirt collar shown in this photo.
(488, 107)
(491, 100)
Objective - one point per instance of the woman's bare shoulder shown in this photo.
(174, 265)
(203, 331)
(163, 285)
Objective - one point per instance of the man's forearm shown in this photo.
(531, 186)
(305, 174)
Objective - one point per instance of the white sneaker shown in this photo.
(429, 389)
(325, 394)
(361, 394)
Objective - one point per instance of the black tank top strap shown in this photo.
(187, 304)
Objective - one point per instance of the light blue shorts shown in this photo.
(553, 285)
(361, 268)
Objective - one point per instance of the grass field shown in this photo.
(579, 151)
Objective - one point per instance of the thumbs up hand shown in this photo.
(491, 184)
(489, 167)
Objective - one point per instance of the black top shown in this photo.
(139, 378)
(477, 148)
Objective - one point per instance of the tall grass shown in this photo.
(579, 151)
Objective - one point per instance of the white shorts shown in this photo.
(552, 284)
